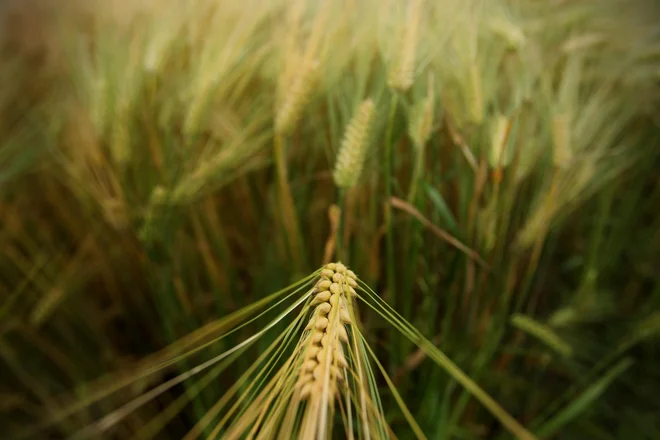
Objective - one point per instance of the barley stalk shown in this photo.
(120, 146)
(476, 95)
(562, 154)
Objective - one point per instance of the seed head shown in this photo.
(323, 352)
(497, 155)
(354, 146)
(421, 124)
(296, 97)
(402, 74)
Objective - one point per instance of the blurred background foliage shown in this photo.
(164, 163)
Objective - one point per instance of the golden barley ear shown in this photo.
(324, 364)
(326, 373)
(353, 150)
(562, 154)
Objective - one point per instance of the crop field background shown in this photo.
(179, 180)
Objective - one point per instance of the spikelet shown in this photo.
(290, 48)
(324, 361)
(198, 105)
(581, 43)
(296, 97)
(562, 154)
(161, 38)
(354, 147)
(421, 124)
(509, 31)
(535, 226)
(497, 155)
(402, 74)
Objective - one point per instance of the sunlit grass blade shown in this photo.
(189, 345)
(381, 307)
(542, 332)
(584, 400)
(114, 417)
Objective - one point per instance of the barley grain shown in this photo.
(323, 351)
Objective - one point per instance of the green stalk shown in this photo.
(417, 174)
(389, 240)
(342, 254)
(413, 242)
(289, 216)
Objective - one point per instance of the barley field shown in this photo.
(299, 219)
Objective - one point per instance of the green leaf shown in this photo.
(442, 208)
(584, 401)
(543, 333)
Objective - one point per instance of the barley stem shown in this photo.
(288, 211)
(389, 171)
(342, 252)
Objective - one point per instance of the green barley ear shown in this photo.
(354, 147)
(402, 74)
(510, 32)
(420, 130)
(497, 155)
(421, 123)
(295, 97)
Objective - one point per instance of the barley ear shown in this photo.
(421, 123)
(497, 155)
(295, 97)
(321, 378)
(401, 76)
(354, 146)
